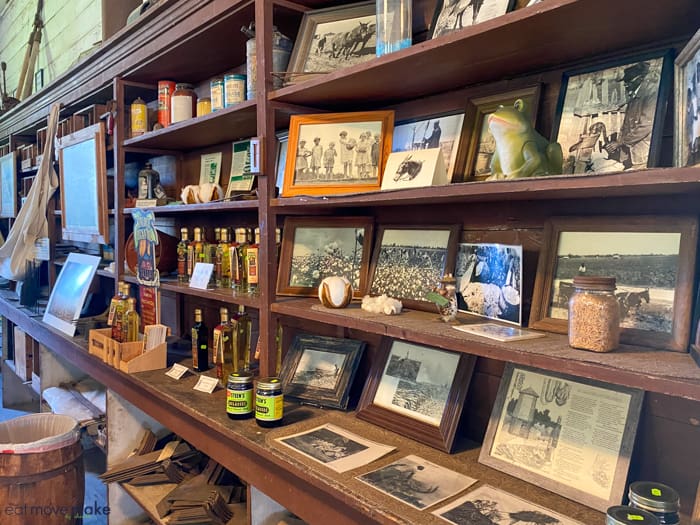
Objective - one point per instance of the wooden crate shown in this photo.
(128, 357)
(25, 346)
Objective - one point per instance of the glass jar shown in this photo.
(239, 395)
(183, 104)
(594, 314)
(659, 499)
(203, 106)
(269, 402)
(624, 515)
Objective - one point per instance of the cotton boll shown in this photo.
(335, 292)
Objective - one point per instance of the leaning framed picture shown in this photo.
(409, 261)
(569, 435)
(651, 258)
(452, 16)
(610, 117)
(687, 78)
(316, 248)
(319, 370)
(333, 38)
(8, 185)
(417, 391)
(332, 153)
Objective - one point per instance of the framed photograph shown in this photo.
(333, 38)
(499, 332)
(320, 370)
(452, 16)
(415, 169)
(417, 482)
(281, 160)
(489, 281)
(69, 292)
(337, 152)
(481, 145)
(8, 185)
(409, 261)
(316, 248)
(651, 258)
(487, 504)
(335, 447)
(569, 435)
(687, 75)
(417, 391)
(610, 118)
(445, 132)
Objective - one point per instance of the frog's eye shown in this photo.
(519, 105)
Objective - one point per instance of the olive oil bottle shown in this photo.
(184, 268)
(252, 269)
(223, 261)
(200, 343)
(223, 347)
(131, 323)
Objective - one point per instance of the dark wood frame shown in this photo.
(9, 209)
(335, 398)
(479, 108)
(438, 9)
(285, 263)
(450, 262)
(624, 455)
(689, 52)
(441, 437)
(677, 340)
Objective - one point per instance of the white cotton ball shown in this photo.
(335, 292)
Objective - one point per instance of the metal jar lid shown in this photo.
(654, 497)
(270, 384)
(624, 515)
(594, 282)
(240, 378)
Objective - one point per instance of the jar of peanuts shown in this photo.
(594, 314)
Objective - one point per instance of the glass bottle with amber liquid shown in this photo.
(241, 284)
(114, 302)
(223, 261)
(199, 248)
(131, 323)
(251, 263)
(243, 327)
(119, 312)
(223, 347)
(184, 270)
(200, 343)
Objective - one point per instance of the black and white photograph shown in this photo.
(335, 447)
(609, 118)
(499, 332)
(489, 280)
(444, 132)
(687, 79)
(417, 482)
(319, 369)
(487, 505)
(453, 15)
(414, 169)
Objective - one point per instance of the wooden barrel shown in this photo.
(166, 253)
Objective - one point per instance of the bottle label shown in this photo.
(269, 408)
(195, 345)
(252, 265)
(139, 120)
(239, 401)
(181, 108)
(190, 260)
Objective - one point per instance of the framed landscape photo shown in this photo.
(569, 435)
(687, 78)
(651, 258)
(316, 248)
(8, 185)
(333, 153)
(409, 261)
(417, 391)
(454, 15)
(610, 118)
(320, 370)
(333, 38)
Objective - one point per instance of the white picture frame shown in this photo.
(415, 169)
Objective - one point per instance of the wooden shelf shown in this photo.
(207, 207)
(671, 373)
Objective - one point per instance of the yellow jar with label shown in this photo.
(269, 402)
(139, 117)
(203, 106)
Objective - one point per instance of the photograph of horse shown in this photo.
(341, 43)
(454, 15)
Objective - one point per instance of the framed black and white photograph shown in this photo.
(335, 447)
(445, 132)
(499, 332)
(487, 504)
(415, 169)
(687, 79)
(409, 261)
(320, 370)
(610, 118)
(651, 258)
(8, 185)
(570, 435)
(489, 280)
(333, 38)
(452, 15)
(417, 391)
(316, 248)
(417, 482)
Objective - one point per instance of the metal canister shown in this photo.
(659, 499)
(234, 90)
(281, 50)
(216, 88)
(166, 88)
(624, 515)
(139, 117)
(203, 106)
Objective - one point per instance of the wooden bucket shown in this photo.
(166, 253)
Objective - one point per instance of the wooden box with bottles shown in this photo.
(127, 357)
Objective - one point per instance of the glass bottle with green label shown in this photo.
(200, 343)
(199, 248)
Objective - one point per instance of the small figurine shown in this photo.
(445, 298)
(520, 150)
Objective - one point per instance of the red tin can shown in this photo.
(165, 91)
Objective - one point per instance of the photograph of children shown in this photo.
(417, 482)
(453, 15)
(489, 280)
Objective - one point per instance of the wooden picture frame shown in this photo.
(358, 161)
(481, 145)
(323, 247)
(407, 270)
(602, 121)
(333, 38)
(617, 239)
(320, 370)
(686, 139)
(83, 172)
(449, 16)
(8, 185)
(402, 368)
(530, 419)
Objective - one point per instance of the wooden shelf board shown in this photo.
(207, 207)
(655, 181)
(672, 373)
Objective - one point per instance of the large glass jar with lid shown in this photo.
(594, 314)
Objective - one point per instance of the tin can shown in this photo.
(624, 515)
(165, 91)
(659, 499)
(183, 103)
(203, 106)
(269, 402)
(239, 395)
(234, 90)
(216, 88)
(139, 117)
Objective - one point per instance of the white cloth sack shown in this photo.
(37, 433)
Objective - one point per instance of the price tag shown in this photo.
(177, 371)
(206, 384)
(42, 252)
(201, 275)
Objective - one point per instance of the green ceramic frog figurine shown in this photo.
(520, 150)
